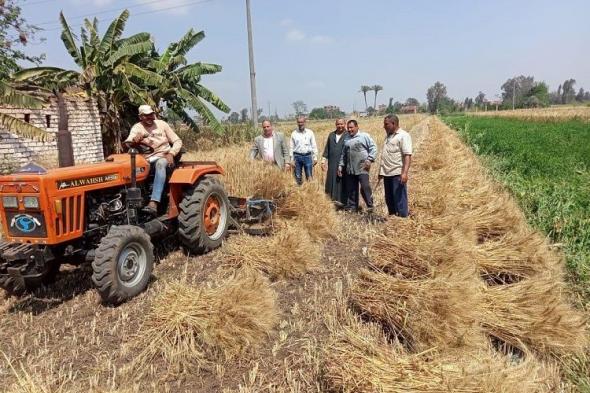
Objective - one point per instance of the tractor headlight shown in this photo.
(31, 202)
(10, 202)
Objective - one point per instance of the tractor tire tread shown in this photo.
(104, 264)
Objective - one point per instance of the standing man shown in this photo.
(395, 164)
(271, 147)
(304, 151)
(335, 187)
(158, 135)
(357, 157)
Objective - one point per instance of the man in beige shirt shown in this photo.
(396, 157)
(158, 135)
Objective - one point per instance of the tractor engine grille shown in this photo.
(71, 219)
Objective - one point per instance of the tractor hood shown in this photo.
(115, 171)
(54, 198)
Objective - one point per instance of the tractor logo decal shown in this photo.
(25, 223)
(85, 181)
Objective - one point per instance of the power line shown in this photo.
(140, 13)
(53, 22)
(36, 2)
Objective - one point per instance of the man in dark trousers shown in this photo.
(335, 187)
(358, 155)
(395, 164)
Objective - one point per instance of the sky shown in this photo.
(321, 51)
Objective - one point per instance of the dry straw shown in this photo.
(534, 313)
(310, 206)
(358, 360)
(289, 253)
(191, 326)
(441, 311)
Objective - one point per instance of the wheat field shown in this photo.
(461, 297)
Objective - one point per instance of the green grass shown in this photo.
(546, 166)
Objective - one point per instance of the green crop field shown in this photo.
(546, 166)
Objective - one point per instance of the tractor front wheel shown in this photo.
(123, 263)
(204, 216)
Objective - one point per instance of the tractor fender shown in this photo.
(190, 175)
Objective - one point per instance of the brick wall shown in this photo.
(84, 124)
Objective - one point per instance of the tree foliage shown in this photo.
(15, 33)
(436, 97)
(520, 89)
(299, 107)
(123, 73)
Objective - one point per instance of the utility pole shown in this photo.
(513, 92)
(252, 72)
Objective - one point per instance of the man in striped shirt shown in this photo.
(304, 151)
(358, 155)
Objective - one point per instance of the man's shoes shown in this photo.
(151, 208)
(339, 205)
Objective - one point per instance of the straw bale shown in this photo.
(413, 248)
(441, 311)
(190, 325)
(289, 253)
(517, 256)
(358, 361)
(535, 313)
(309, 205)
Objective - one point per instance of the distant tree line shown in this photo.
(517, 92)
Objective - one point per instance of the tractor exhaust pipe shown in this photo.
(65, 151)
(134, 199)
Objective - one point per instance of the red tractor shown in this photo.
(93, 213)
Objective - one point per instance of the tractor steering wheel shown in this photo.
(141, 148)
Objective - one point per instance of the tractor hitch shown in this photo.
(252, 216)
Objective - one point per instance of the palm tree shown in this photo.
(10, 96)
(123, 73)
(376, 89)
(365, 89)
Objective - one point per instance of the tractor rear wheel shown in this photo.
(204, 216)
(123, 263)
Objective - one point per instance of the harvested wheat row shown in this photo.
(289, 253)
(533, 313)
(517, 256)
(412, 248)
(310, 206)
(441, 311)
(192, 326)
(358, 360)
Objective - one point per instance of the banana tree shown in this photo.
(182, 88)
(10, 96)
(123, 73)
(106, 73)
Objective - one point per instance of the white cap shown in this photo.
(145, 110)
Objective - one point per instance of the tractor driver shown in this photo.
(158, 135)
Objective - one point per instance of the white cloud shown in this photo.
(295, 35)
(322, 39)
(315, 85)
(286, 22)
